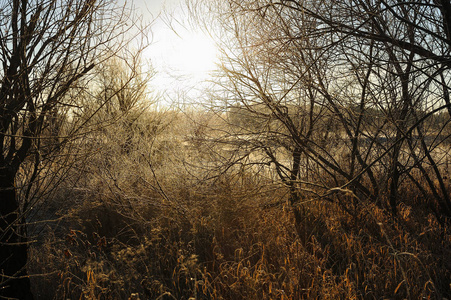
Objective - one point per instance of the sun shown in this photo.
(183, 58)
(185, 53)
(195, 55)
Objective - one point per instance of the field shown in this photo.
(166, 220)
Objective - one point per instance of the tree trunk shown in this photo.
(394, 179)
(14, 280)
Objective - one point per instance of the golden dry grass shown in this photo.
(151, 226)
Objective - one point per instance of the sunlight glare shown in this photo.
(195, 55)
(183, 58)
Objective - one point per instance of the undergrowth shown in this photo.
(133, 228)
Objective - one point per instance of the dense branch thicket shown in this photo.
(47, 50)
(341, 96)
(343, 102)
(318, 169)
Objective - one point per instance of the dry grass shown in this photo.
(148, 225)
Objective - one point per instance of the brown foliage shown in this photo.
(160, 232)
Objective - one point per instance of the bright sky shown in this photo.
(182, 57)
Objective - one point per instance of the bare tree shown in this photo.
(47, 50)
(345, 89)
(404, 49)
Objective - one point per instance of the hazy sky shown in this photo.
(153, 6)
(182, 57)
